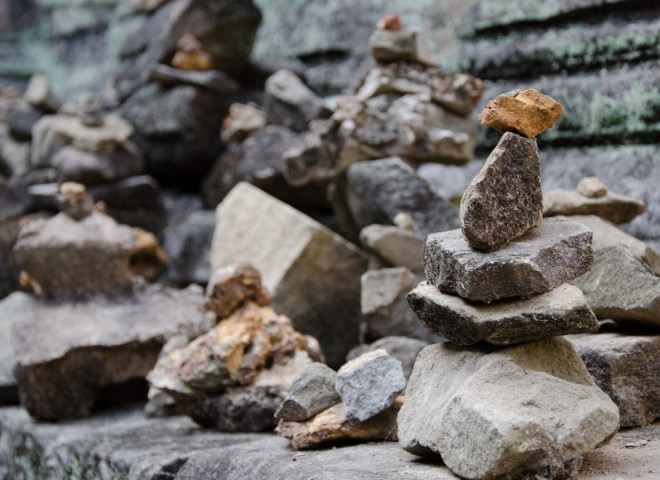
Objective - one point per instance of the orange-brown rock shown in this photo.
(232, 286)
(331, 426)
(389, 22)
(525, 112)
(190, 55)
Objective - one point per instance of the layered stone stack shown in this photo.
(530, 407)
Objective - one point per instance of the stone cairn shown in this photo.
(506, 397)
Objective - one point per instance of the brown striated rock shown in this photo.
(591, 187)
(505, 199)
(234, 285)
(331, 426)
(613, 207)
(526, 112)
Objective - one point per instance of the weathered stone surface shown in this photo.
(606, 234)
(369, 384)
(404, 349)
(626, 367)
(294, 254)
(242, 121)
(289, 102)
(384, 308)
(12, 309)
(591, 187)
(491, 413)
(79, 259)
(622, 287)
(75, 165)
(313, 391)
(187, 242)
(233, 286)
(561, 311)
(375, 192)
(505, 199)
(525, 112)
(394, 246)
(333, 425)
(613, 207)
(212, 80)
(38, 94)
(395, 45)
(69, 354)
(542, 259)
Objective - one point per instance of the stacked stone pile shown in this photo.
(504, 398)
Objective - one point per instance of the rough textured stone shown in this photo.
(394, 45)
(289, 102)
(75, 165)
(622, 287)
(294, 254)
(404, 349)
(591, 187)
(233, 286)
(68, 355)
(525, 112)
(394, 246)
(212, 80)
(561, 311)
(384, 308)
(613, 207)
(542, 259)
(626, 367)
(79, 259)
(504, 200)
(312, 392)
(333, 425)
(491, 413)
(369, 384)
(187, 241)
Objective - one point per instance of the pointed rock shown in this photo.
(312, 391)
(504, 200)
(545, 257)
(561, 311)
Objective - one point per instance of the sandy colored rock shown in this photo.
(332, 426)
(232, 286)
(242, 121)
(525, 112)
(613, 207)
(561, 311)
(545, 257)
(505, 199)
(505, 413)
(591, 187)
(190, 54)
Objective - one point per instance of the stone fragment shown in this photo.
(90, 110)
(75, 165)
(394, 246)
(369, 384)
(613, 207)
(620, 286)
(505, 199)
(525, 112)
(591, 187)
(79, 259)
(514, 412)
(212, 80)
(38, 94)
(545, 257)
(561, 311)
(312, 392)
(606, 234)
(404, 349)
(289, 102)
(234, 285)
(384, 308)
(72, 356)
(187, 242)
(389, 22)
(190, 54)
(627, 368)
(242, 121)
(294, 254)
(74, 201)
(332, 426)
(387, 45)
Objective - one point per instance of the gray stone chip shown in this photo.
(312, 392)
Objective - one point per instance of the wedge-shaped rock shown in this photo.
(490, 413)
(369, 384)
(561, 311)
(332, 425)
(545, 257)
(627, 368)
(504, 200)
(613, 207)
(312, 392)
(526, 112)
(622, 287)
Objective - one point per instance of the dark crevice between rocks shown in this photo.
(324, 56)
(170, 470)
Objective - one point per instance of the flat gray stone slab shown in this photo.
(613, 207)
(561, 311)
(545, 257)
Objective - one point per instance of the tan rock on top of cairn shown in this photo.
(190, 54)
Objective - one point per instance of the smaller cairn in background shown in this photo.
(190, 54)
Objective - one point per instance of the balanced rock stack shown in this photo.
(496, 409)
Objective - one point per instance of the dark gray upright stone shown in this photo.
(312, 391)
(561, 311)
(504, 200)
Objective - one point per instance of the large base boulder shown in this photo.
(492, 413)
